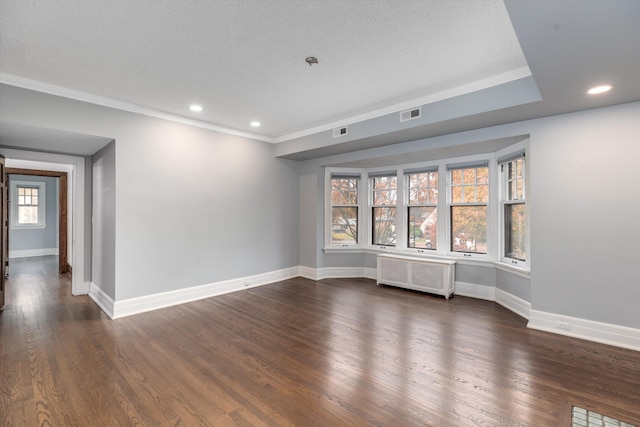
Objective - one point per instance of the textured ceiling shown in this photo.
(244, 60)
(470, 64)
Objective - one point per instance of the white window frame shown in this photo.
(399, 240)
(42, 206)
(456, 164)
(407, 205)
(513, 152)
(329, 172)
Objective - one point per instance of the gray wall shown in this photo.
(103, 248)
(584, 209)
(192, 206)
(21, 239)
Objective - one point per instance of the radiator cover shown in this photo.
(421, 274)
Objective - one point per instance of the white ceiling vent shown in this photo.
(414, 113)
(338, 132)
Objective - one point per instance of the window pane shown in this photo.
(384, 232)
(469, 194)
(413, 196)
(344, 191)
(456, 177)
(27, 214)
(384, 190)
(469, 229)
(21, 191)
(482, 193)
(515, 231)
(423, 188)
(482, 176)
(344, 225)
(456, 194)
(423, 221)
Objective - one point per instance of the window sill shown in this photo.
(512, 269)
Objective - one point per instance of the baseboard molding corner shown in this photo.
(604, 333)
(513, 303)
(103, 300)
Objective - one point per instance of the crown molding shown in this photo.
(102, 101)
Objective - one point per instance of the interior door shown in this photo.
(3, 232)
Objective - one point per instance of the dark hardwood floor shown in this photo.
(340, 352)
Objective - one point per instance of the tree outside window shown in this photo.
(383, 210)
(422, 209)
(469, 197)
(344, 210)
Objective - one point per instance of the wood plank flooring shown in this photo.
(340, 352)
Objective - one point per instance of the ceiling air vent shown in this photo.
(414, 113)
(338, 132)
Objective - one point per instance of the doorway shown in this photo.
(63, 260)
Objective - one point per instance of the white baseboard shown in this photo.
(489, 293)
(103, 300)
(337, 272)
(146, 303)
(27, 253)
(605, 333)
(475, 291)
(513, 303)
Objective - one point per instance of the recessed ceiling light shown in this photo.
(196, 108)
(599, 89)
(255, 124)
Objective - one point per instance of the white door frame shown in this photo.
(78, 285)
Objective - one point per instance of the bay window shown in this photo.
(467, 207)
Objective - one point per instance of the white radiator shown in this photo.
(428, 275)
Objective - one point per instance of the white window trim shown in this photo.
(42, 207)
(327, 208)
(513, 263)
(400, 240)
(491, 223)
(437, 205)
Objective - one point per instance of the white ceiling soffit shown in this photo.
(17, 135)
(244, 60)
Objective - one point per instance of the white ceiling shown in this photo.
(244, 60)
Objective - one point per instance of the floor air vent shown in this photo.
(414, 113)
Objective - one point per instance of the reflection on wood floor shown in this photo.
(338, 352)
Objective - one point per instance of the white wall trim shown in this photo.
(475, 291)
(337, 272)
(76, 179)
(27, 253)
(146, 303)
(513, 303)
(605, 333)
(76, 95)
(103, 300)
